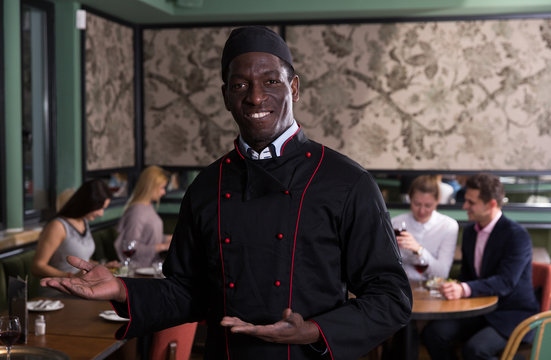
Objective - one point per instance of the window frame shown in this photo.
(3, 205)
(33, 216)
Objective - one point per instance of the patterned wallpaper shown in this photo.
(434, 95)
(109, 62)
(185, 120)
(457, 95)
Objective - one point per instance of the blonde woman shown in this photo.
(141, 223)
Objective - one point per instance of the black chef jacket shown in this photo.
(255, 237)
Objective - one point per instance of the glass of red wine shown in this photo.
(421, 266)
(10, 331)
(128, 250)
(402, 227)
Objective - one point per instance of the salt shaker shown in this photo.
(40, 325)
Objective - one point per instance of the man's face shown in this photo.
(477, 210)
(260, 97)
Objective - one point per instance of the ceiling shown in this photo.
(158, 12)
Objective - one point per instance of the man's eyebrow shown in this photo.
(268, 73)
(272, 73)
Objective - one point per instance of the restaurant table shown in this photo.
(427, 307)
(77, 330)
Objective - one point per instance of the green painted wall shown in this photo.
(68, 88)
(68, 60)
(156, 11)
(13, 115)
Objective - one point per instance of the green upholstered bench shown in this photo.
(104, 236)
(18, 264)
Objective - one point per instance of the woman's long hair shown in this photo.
(90, 196)
(150, 179)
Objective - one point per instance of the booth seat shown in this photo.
(18, 262)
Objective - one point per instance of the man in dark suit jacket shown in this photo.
(497, 258)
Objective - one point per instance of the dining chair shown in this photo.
(541, 346)
(174, 343)
(541, 281)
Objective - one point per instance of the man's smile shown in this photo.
(258, 115)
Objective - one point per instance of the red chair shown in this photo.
(174, 343)
(541, 281)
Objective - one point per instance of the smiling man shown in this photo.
(271, 237)
(497, 261)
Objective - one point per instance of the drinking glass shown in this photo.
(128, 250)
(158, 269)
(10, 331)
(421, 266)
(400, 228)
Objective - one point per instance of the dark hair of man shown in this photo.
(288, 69)
(426, 184)
(89, 197)
(489, 187)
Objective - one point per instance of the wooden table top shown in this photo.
(79, 317)
(77, 330)
(427, 307)
(76, 347)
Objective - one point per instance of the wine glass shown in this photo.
(128, 250)
(400, 228)
(421, 266)
(10, 330)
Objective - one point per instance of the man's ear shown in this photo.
(295, 87)
(493, 203)
(224, 88)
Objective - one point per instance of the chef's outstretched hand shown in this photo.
(291, 329)
(93, 281)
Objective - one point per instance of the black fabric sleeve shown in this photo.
(374, 274)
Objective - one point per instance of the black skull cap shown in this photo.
(254, 39)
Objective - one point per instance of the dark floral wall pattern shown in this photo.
(186, 123)
(185, 120)
(109, 61)
(457, 95)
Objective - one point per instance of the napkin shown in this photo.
(46, 304)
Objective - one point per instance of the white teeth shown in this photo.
(259, 115)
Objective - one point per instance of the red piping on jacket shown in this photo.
(128, 304)
(286, 141)
(295, 239)
(298, 220)
(235, 143)
(221, 255)
(237, 149)
(324, 339)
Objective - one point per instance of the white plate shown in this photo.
(146, 271)
(111, 315)
(44, 305)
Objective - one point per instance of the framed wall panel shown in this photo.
(185, 121)
(438, 95)
(109, 94)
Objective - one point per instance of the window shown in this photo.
(38, 123)
(2, 133)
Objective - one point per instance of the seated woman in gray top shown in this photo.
(141, 223)
(69, 233)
